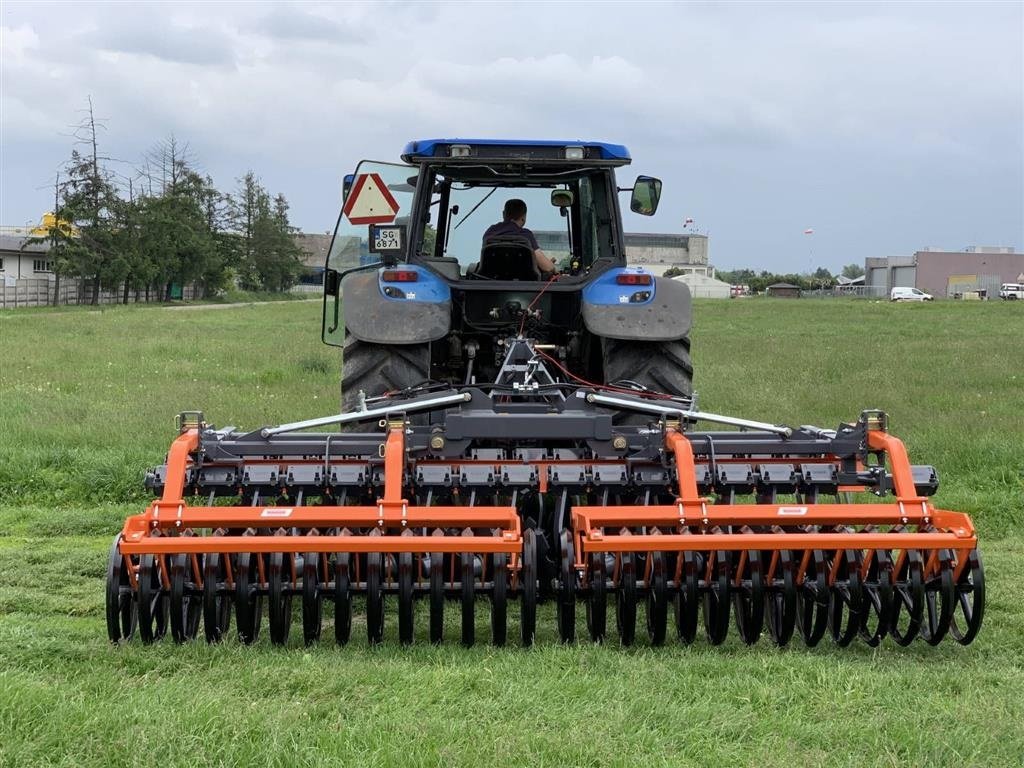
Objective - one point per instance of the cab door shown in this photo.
(374, 227)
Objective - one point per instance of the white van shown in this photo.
(909, 294)
(1011, 291)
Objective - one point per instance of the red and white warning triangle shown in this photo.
(370, 201)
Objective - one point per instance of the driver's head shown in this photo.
(515, 210)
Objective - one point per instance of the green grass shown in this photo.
(86, 402)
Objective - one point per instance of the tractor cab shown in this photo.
(441, 213)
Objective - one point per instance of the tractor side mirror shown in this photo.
(646, 194)
(561, 198)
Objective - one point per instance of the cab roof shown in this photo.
(515, 150)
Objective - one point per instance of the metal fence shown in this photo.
(38, 292)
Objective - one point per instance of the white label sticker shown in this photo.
(276, 512)
(793, 511)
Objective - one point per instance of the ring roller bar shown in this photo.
(726, 527)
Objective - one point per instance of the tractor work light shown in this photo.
(459, 150)
(574, 153)
(400, 276)
(628, 278)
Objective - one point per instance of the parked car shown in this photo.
(1011, 291)
(909, 294)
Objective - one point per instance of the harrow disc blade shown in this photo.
(969, 610)
(846, 599)
(279, 596)
(566, 598)
(375, 598)
(342, 598)
(657, 599)
(121, 611)
(499, 600)
(940, 599)
(781, 600)
(687, 600)
(405, 606)
(248, 597)
(908, 605)
(436, 598)
(597, 603)
(528, 588)
(153, 602)
(878, 598)
(312, 598)
(716, 598)
(468, 591)
(749, 599)
(216, 603)
(625, 604)
(813, 600)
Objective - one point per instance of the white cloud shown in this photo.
(747, 111)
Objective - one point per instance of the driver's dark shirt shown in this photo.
(507, 228)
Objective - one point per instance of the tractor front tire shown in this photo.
(378, 368)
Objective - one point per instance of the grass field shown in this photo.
(86, 404)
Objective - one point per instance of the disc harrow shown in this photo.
(530, 494)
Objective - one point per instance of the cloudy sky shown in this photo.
(884, 127)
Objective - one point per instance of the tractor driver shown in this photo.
(514, 223)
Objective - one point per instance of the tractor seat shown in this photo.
(507, 258)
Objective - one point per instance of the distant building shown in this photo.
(946, 273)
(657, 253)
(18, 260)
(704, 287)
(784, 290)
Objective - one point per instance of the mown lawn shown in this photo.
(86, 403)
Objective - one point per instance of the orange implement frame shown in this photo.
(694, 524)
(168, 524)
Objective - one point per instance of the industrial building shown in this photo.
(946, 274)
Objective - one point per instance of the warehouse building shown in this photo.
(946, 274)
(655, 252)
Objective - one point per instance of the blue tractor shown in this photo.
(439, 300)
(517, 426)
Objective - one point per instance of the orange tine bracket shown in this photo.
(392, 509)
(689, 503)
(137, 526)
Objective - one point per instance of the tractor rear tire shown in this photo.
(661, 366)
(379, 368)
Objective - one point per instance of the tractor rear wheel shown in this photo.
(379, 368)
(660, 366)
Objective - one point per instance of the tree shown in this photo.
(853, 271)
(269, 258)
(89, 203)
